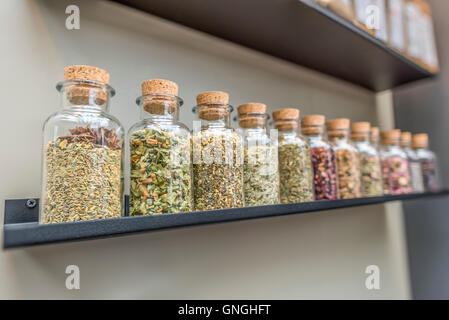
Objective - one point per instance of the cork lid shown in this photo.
(159, 86)
(286, 113)
(208, 97)
(338, 124)
(360, 130)
(213, 105)
(314, 120)
(360, 127)
(406, 139)
(313, 124)
(391, 136)
(86, 94)
(81, 72)
(375, 132)
(251, 107)
(420, 140)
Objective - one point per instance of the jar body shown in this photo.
(416, 173)
(82, 158)
(348, 167)
(370, 169)
(395, 170)
(161, 170)
(295, 168)
(429, 168)
(217, 168)
(260, 168)
(324, 168)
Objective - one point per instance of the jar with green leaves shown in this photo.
(260, 163)
(295, 164)
(217, 155)
(160, 148)
(369, 160)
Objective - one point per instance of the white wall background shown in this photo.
(309, 256)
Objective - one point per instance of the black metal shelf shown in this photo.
(21, 228)
(300, 31)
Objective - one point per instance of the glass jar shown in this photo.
(217, 155)
(323, 158)
(375, 137)
(260, 162)
(414, 163)
(82, 152)
(369, 160)
(347, 156)
(295, 165)
(160, 149)
(428, 162)
(395, 165)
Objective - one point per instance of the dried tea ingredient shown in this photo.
(295, 170)
(371, 172)
(429, 173)
(160, 172)
(348, 170)
(396, 175)
(260, 175)
(217, 170)
(325, 173)
(83, 176)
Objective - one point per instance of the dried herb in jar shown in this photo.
(160, 173)
(218, 176)
(370, 169)
(325, 175)
(83, 176)
(261, 175)
(396, 175)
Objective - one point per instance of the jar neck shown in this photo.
(360, 138)
(85, 95)
(214, 115)
(339, 136)
(159, 107)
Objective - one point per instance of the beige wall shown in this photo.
(309, 256)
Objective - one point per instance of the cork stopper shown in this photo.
(406, 139)
(286, 113)
(338, 127)
(213, 105)
(208, 97)
(80, 94)
(252, 115)
(360, 130)
(420, 140)
(251, 107)
(80, 72)
(159, 86)
(286, 119)
(313, 124)
(391, 137)
(374, 135)
(160, 104)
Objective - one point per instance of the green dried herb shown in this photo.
(370, 169)
(160, 173)
(295, 172)
(217, 170)
(83, 177)
(260, 175)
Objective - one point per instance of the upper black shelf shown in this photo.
(300, 31)
(21, 228)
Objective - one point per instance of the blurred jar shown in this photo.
(260, 166)
(429, 163)
(160, 148)
(416, 174)
(347, 157)
(369, 159)
(217, 155)
(295, 165)
(395, 165)
(375, 137)
(323, 158)
(82, 151)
